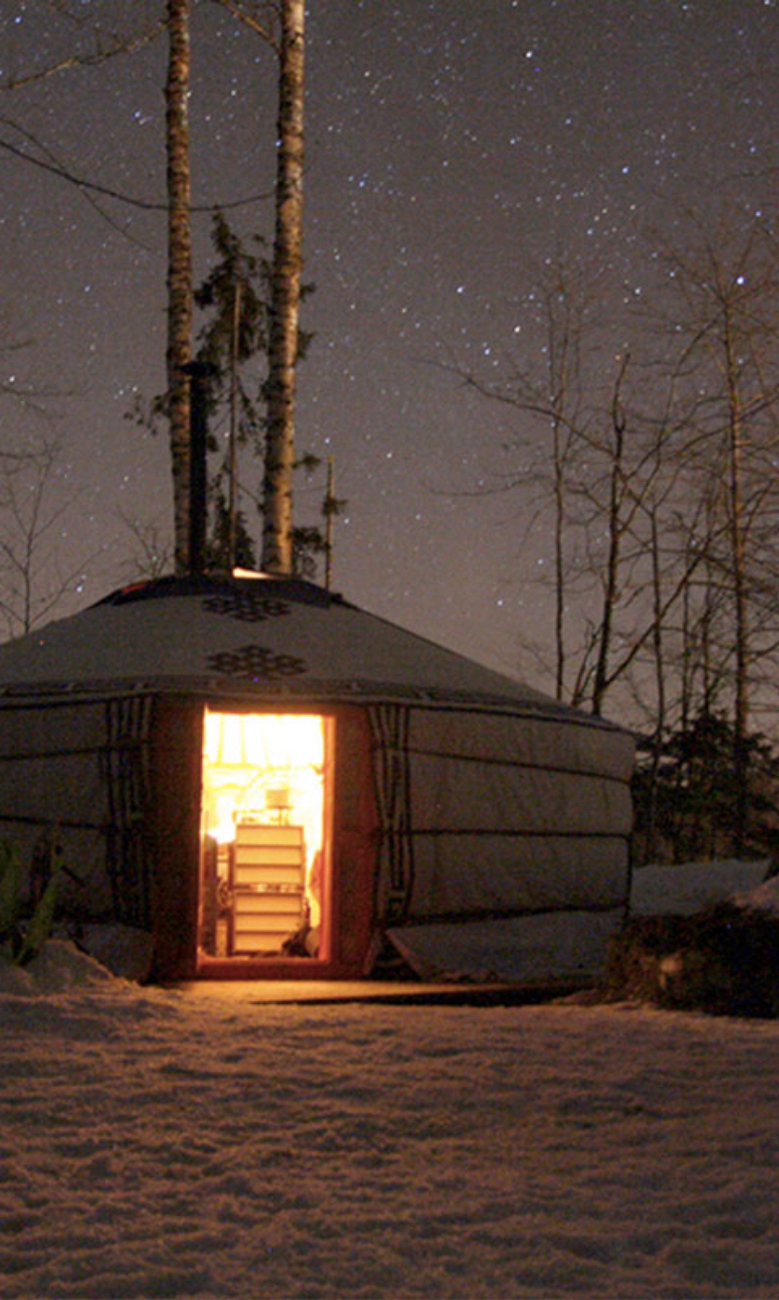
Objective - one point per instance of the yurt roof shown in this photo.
(278, 638)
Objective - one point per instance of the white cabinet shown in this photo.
(268, 886)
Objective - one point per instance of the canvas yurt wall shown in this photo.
(504, 844)
(469, 822)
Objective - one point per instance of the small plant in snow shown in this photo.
(21, 938)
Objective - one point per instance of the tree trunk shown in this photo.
(615, 539)
(179, 349)
(650, 843)
(285, 298)
(740, 630)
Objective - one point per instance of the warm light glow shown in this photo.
(268, 769)
(266, 740)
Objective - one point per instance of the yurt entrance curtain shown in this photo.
(125, 762)
(395, 876)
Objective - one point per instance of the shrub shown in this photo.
(723, 960)
(22, 937)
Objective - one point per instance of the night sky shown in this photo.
(452, 147)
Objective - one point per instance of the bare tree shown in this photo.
(548, 397)
(103, 45)
(31, 511)
(616, 530)
(727, 315)
(29, 395)
(595, 476)
(151, 552)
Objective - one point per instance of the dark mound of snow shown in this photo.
(723, 960)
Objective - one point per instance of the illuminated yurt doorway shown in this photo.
(264, 882)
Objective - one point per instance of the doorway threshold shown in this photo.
(385, 993)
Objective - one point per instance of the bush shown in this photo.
(22, 936)
(723, 960)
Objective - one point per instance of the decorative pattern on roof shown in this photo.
(249, 606)
(255, 661)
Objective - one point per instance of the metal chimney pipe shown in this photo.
(201, 374)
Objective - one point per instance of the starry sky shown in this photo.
(453, 148)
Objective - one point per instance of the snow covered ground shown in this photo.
(201, 1144)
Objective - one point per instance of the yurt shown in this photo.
(272, 783)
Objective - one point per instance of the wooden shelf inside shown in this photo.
(268, 884)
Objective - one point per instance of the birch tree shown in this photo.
(284, 337)
(285, 296)
(179, 342)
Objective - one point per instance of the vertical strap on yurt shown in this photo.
(126, 774)
(389, 725)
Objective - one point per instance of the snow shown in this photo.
(763, 898)
(691, 886)
(202, 1143)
